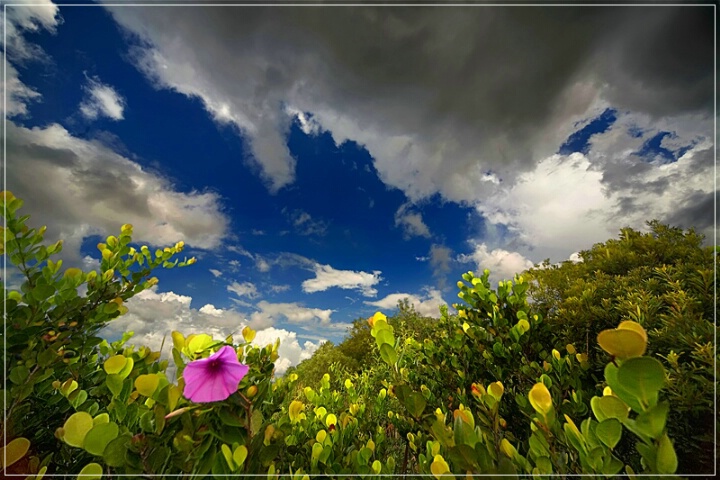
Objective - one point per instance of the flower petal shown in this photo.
(204, 383)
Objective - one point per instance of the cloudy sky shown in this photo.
(324, 162)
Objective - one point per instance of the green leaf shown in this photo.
(652, 421)
(611, 372)
(667, 461)
(609, 432)
(99, 437)
(91, 471)
(384, 336)
(387, 352)
(642, 377)
(114, 384)
(114, 453)
(19, 374)
(76, 428)
(46, 357)
(415, 404)
(14, 451)
(609, 406)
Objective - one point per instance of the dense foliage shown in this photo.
(587, 367)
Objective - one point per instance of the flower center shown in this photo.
(214, 364)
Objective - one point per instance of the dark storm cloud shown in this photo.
(698, 212)
(432, 92)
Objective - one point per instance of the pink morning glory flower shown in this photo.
(214, 378)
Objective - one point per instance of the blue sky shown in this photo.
(323, 163)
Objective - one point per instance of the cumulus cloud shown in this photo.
(503, 265)
(574, 201)
(269, 313)
(427, 305)
(290, 352)
(216, 273)
(101, 101)
(411, 222)
(91, 190)
(328, 277)
(245, 289)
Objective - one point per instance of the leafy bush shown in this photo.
(481, 391)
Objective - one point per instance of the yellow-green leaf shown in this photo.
(101, 418)
(147, 384)
(248, 334)
(240, 454)
(76, 428)
(540, 398)
(227, 453)
(91, 471)
(439, 466)
(296, 407)
(14, 451)
(623, 342)
(331, 419)
(114, 364)
(198, 343)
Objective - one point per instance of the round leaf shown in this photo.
(14, 451)
(76, 428)
(147, 384)
(387, 352)
(540, 399)
(609, 406)
(609, 432)
(114, 453)
(91, 471)
(114, 364)
(622, 343)
(642, 377)
(240, 454)
(99, 436)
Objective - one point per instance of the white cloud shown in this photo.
(427, 305)
(411, 222)
(290, 352)
(279, 288)
(23, 17)
(503, 265)
(269, 313)
(262, 265)
(328, 277)
(27, 16)
(18, 95)
(101, 101)
(575, 257)
(216, 273)
(95, 190)
(575, 201)
(245, 289)
(211, 310)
